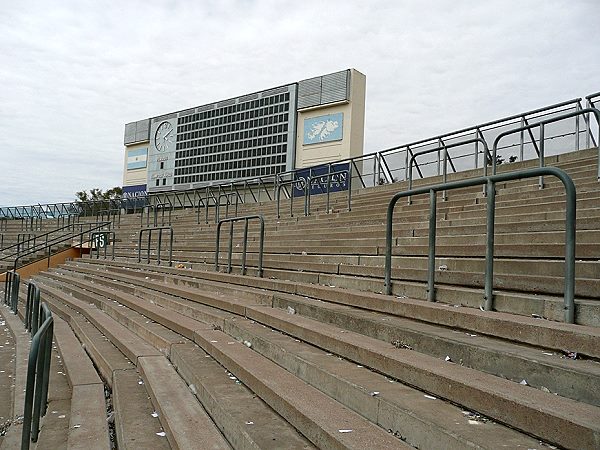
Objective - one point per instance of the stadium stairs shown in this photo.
(312, 354)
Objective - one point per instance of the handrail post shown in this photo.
(245, 246)
(230, 251)
(431, 254)
(388, 246)
(542, 145)
(217, 246)
(489, 247)
(445, 172)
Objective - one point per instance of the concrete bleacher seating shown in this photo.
(313, 354)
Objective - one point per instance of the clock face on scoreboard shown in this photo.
(164, 138)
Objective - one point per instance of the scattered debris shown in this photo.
(304, 253)
(537, 316)
(374, 393)
(524, 383)
(193, 389)
(77, 425)
(447, 359)
(569, 354)
(345, 431)
(180, 266)
(291, 310)
(154, 414)
(5, 426)
(401, 344)
(548, 354)
(431, 397)
(249, 423)
(443, 267)
(475, 418)
(472, 335)
(248, 344)
(111, 417)
(161, 434)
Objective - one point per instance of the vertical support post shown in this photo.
(431, 254)
(577, 109)
(245, 247)
(588, 104)
(230, 253)
(477, 150)
(489, 248)
(542, 139)
(160, 232)
(148, 249)
(406, 160)
(328, 186)
(261, 244)
(445, 172)
(522, 140)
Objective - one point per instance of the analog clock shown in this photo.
(164, 137)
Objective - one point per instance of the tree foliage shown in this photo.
(96, 194)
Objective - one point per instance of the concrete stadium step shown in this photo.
(369, 324)
(450, 435)
(88, 424)
(185, 422)
(317, 434)
(344, 315)
(134, 424)
(233, 427)
(264, 316)
(533, 331)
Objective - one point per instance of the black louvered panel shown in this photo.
(335, 87)
(142, 130)
(129, 133)
(309, 92)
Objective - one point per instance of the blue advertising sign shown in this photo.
(325, 128)
(135, 196)
(338, 179)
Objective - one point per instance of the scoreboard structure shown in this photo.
(297, 125)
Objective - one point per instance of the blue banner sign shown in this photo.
(338, 179)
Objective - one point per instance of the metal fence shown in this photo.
(386, 166)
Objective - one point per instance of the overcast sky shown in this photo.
(72, 73)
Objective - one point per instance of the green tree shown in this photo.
(97, 200)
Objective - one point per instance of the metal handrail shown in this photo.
(160, 230)
(11, 290)
(380, 162)
(227, 197)
(37, 237)
(48, 245)
(445, 148)
(246, 219)
(38, 375)
(329, 177)
(304, 186)
(32, 308)
(542, 124)
(154, 208)
(115, 212)
(94, 240)
(490, 181)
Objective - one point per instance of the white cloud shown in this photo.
(74, 72)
